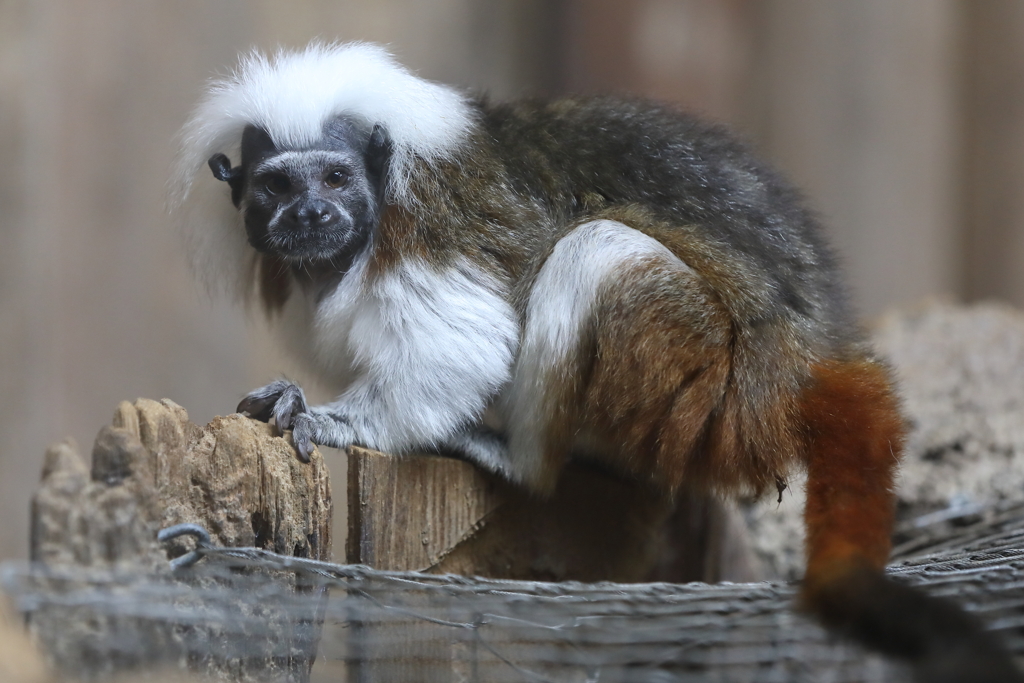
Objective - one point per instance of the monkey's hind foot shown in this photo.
(481, 446)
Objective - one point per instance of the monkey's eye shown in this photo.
(336, 178)
(277, 183)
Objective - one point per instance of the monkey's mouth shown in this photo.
(310, 246)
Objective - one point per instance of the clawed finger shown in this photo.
(303, 446)
(302, 436)
(291, 404)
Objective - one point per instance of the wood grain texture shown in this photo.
(410, 512)
(992, 80)
(440, 515)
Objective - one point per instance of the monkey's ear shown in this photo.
(378, 152)
(221, 167)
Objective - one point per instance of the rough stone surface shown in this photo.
(962, 373)
(961, 379)
(152, 468)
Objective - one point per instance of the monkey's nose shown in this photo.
(313, 214)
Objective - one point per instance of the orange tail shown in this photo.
(855, 438)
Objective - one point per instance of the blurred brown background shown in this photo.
(903, 122)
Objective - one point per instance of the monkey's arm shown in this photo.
(430, 347)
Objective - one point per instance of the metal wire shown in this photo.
(264, 616)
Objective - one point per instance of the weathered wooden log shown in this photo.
(441, 515)
(444, 516)
(152, 468)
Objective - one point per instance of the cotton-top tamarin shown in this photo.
(528, 282)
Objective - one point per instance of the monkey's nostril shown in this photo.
(316, 218)
(314, 214)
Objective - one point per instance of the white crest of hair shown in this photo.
(422, 350)
(561, 302)
(293, 94)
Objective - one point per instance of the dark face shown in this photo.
(309, 205)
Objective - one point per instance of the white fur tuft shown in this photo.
(292, 94)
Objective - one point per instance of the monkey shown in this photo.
(524, 283)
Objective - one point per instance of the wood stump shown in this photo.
(152, 468)
(440, 515)
(445, 516)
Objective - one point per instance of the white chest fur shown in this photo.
(416, 352)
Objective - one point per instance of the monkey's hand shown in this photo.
(286, 403)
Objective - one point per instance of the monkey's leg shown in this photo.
(622, 339)
(855, 434)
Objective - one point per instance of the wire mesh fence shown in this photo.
(247, 614)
